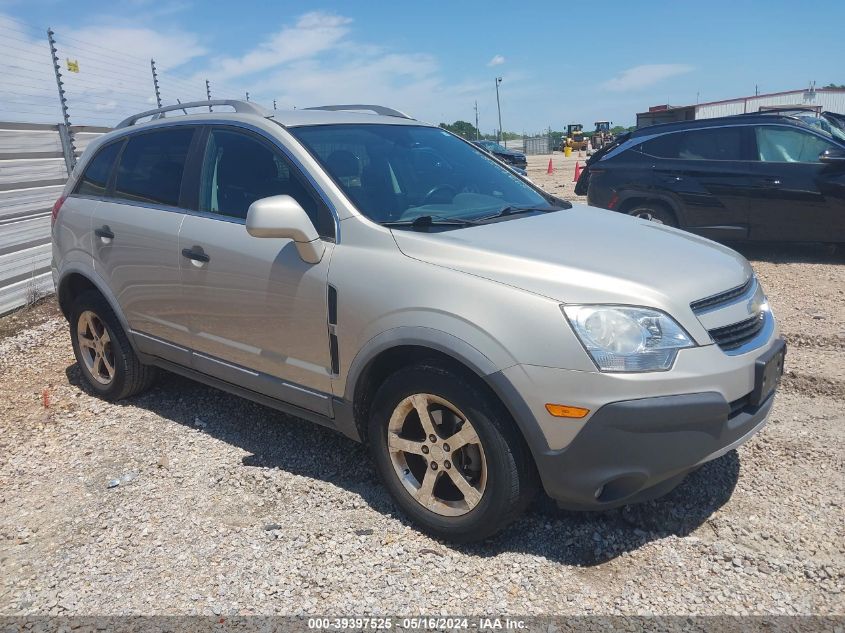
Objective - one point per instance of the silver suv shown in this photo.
(383, 277)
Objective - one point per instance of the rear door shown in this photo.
(797, 197)
(258, 312)
(136, 238)
(709, 172)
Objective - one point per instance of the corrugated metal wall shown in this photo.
(32, 174)
(830, 100)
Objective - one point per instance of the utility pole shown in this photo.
(208, 94)
(65, 133)
(155, 82)
(476, 120)
(499, 106)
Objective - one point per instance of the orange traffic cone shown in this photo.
(551, 168)
(577, 172)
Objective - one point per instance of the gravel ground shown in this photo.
(225, 507)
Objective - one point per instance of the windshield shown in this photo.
(493, 146)
(824, 124)
(397, 173)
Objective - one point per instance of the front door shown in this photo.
(136, 237)
(708, 172)
(258, 313)
(798, 197)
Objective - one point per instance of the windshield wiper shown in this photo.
(514, 210)
(425, 221)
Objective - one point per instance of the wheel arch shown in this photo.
(74, 281)
(630, 200)
(407, 346)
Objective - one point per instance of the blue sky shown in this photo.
(432, 59)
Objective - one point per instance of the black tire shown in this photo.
(511, 477)
(130, 375)
(654, 212)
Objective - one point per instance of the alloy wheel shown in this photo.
(95, 347)
(645, 214)
(437, 455)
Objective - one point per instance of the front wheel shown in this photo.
(449, 453)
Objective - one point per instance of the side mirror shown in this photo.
(833, 156)
(283, 217)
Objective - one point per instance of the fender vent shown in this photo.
(332, 301)
(332, 305)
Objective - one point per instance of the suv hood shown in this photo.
(587, 255)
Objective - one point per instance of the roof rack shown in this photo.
(808, 109)
(243, 107)
(377, 109)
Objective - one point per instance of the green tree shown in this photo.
(834, 86)
(461, 128)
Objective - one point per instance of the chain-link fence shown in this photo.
(537, 144)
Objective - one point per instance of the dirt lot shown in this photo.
(227, 507)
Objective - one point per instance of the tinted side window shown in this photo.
(95, 179)
(724, 143)
(239, 169)
(151, 166)
(780, 144)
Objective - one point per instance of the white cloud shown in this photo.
(311, 60)
(643, 76)
(313, 33)
(497, 60)
(170, 48)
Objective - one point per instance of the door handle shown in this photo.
(196, 256)
(770, 181)
(104, 233)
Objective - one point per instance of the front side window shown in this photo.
(95, 178)
(724, 143)
(403, 172)
(152, 165)
(239, 169)
(781, 144)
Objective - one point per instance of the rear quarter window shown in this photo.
(152, 165)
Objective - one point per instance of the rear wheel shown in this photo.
(653, 212)
(106, 360)
(449, 453)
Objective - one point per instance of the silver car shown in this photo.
(366, 271)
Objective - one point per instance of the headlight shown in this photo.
(620, 338)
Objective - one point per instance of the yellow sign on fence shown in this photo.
(72, 65)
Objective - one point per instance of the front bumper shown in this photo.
(646, 432)
(635, 450)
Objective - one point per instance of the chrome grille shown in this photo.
(717, 301)
(732, 336)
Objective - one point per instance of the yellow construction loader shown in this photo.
(574, 137)
(602, 135)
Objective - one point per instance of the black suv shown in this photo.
(744, 177)
(509, 156)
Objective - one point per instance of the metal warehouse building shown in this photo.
(819, 99)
